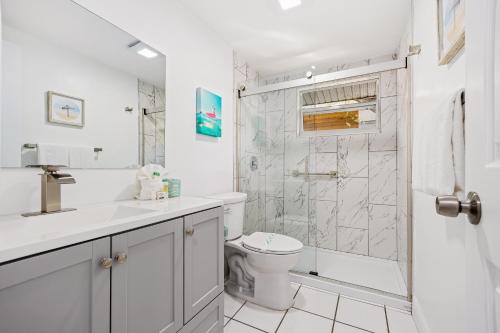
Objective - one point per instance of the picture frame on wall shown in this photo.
(65, 110)
(208, 113)
(451, 29)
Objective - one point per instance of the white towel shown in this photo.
(458, 144)
(80, 157)
(52, 154)
(439, 158)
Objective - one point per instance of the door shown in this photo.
(61, 291)
(482, 128)
(147, 279)
(203, 259)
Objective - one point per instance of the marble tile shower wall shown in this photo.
(152, 126)
(355, 213)
(404, 158)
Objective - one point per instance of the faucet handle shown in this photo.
(61, 175)
(51, 168)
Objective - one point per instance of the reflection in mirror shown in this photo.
(77, 91)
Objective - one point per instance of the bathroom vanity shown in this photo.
(128, 266)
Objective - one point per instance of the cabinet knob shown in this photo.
(190, 231)
(121, 257)
(106, 263)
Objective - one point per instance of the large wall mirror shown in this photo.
(77, 91)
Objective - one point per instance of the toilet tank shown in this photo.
(234, 213)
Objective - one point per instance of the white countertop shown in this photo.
(24, 236)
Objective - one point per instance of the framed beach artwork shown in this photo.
(451, 29)
(65, 110)
(208, 113)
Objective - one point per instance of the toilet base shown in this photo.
(260, 278)
(271, 303)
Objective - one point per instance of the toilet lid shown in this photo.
(272, 243)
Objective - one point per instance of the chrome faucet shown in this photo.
(51, 190)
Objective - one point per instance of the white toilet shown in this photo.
(259, 263)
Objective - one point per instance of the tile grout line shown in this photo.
(315, 314)
(337, 139)
(281, 321)
(234, 315)
(386, 320)
(336, 310)
(368, 186)
(286, 312)
(258, 329)
(359, 328)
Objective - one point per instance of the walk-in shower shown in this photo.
(151, 123)
(325, 160)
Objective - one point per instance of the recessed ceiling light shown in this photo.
(287, 4)
(143, 49)
(145, 52)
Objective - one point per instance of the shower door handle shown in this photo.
(451, 206)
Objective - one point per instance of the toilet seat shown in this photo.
(270, 243)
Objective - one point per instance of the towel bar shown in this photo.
(35, 146)
(296, 173)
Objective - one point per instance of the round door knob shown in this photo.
(106, 263)
(451, 206)
(448, 205)
(121, 257)
(190, 231)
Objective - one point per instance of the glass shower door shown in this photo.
(272, 161)
(299, 161)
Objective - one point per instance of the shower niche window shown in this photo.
(341, 108)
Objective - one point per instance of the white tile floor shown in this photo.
(315, 311)
(376, 273)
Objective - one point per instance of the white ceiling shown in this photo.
(66, 24)
(318, 31)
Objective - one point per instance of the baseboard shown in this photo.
(418, 317)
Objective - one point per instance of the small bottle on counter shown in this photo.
(165, 187)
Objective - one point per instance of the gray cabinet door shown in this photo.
(209, 320)
(61, 291)
(147, 286)
(203, 259)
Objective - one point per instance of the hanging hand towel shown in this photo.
(439, 153)
(458, 143)
(52, 154)
(80, 157)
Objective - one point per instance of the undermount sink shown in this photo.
(82, 217)
(99, 214)
(121, 212)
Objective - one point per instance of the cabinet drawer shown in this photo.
(209, 320)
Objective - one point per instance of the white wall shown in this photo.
(31, 67)
(438, 258)
(195, 57)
